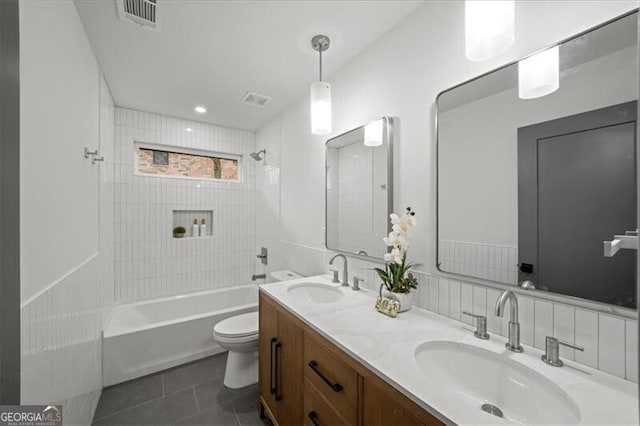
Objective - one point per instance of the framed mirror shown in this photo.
(540, 190)
(359, 189)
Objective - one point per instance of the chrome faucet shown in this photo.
(514, 326)
(345, 273)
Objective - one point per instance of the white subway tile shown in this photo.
(543, 321)
(611, 345)
(454, 299)
(443, 296)
(480, 300)
(564, 328)
(466, 302)
(494, 323)
(527, 322)
(586, 332)
(631, 355)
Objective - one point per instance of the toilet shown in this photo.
(239, 335)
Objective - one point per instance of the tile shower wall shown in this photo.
(149, 262)
(267, 196)
(610, 342)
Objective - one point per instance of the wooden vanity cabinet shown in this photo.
(280, 363)
(305, 379)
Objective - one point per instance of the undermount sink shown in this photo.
(495, 384)
(315, 292)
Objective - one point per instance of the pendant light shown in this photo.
(489, 28)
(373, 133)
(539, 75)
(320, 94)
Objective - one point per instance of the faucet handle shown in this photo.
(481, 325)
(356, 283)
(570, 345)
(552, 351)
(335, 273)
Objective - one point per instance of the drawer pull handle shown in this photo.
(278, 349)
(313, 416)
(272, 378)
(337, 387)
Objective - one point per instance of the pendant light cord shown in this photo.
(320, 51)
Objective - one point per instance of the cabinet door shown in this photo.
(290, 373)
(268, 335)
(384, 406)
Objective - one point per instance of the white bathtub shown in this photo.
(149, 336)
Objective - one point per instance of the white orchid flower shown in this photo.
(396, 256)
(394, 218)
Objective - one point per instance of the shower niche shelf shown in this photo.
(185, 219)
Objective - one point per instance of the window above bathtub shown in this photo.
(186, 163)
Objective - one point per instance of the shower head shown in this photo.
(256, 155)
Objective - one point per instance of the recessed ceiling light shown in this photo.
(189, 129)
(200, 109)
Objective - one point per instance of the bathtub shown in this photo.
(144, 337)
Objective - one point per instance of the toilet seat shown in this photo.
(242, 327)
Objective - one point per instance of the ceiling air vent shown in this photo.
(256, 99)
(141, 12)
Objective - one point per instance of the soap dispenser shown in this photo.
(203, 229)
(195, 229)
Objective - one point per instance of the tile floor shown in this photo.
(191, 394)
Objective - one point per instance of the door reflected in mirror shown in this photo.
(531, 189)
(359, 193)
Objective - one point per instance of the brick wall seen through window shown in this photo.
(187, 165)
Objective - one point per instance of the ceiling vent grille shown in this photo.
(141, 12)
(256, 99)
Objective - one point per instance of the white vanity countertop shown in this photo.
(387, 346)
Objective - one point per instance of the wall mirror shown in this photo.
(541, 191)
(358, 189)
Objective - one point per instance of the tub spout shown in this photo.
(258, 277)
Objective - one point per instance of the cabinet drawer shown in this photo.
(317, 410)
(336, 381)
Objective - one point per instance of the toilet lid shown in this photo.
(238, 326)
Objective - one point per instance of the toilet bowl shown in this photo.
(239, 335)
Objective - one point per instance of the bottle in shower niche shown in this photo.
(203, 229)
(195, 229)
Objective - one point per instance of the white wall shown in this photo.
(66, 212)
(59, 118)
(149, 262)
(400, 75)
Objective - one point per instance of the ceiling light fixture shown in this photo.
(489, 28)
(200, 109)
(320, 93)
(373, 133)
(539, 75)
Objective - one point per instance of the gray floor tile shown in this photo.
(163, 411)
(218, 415)
(214, 393)
(194, 373)
(247, 409)
(122, 396)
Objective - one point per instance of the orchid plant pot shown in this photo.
(404, 299)
(396, 276)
